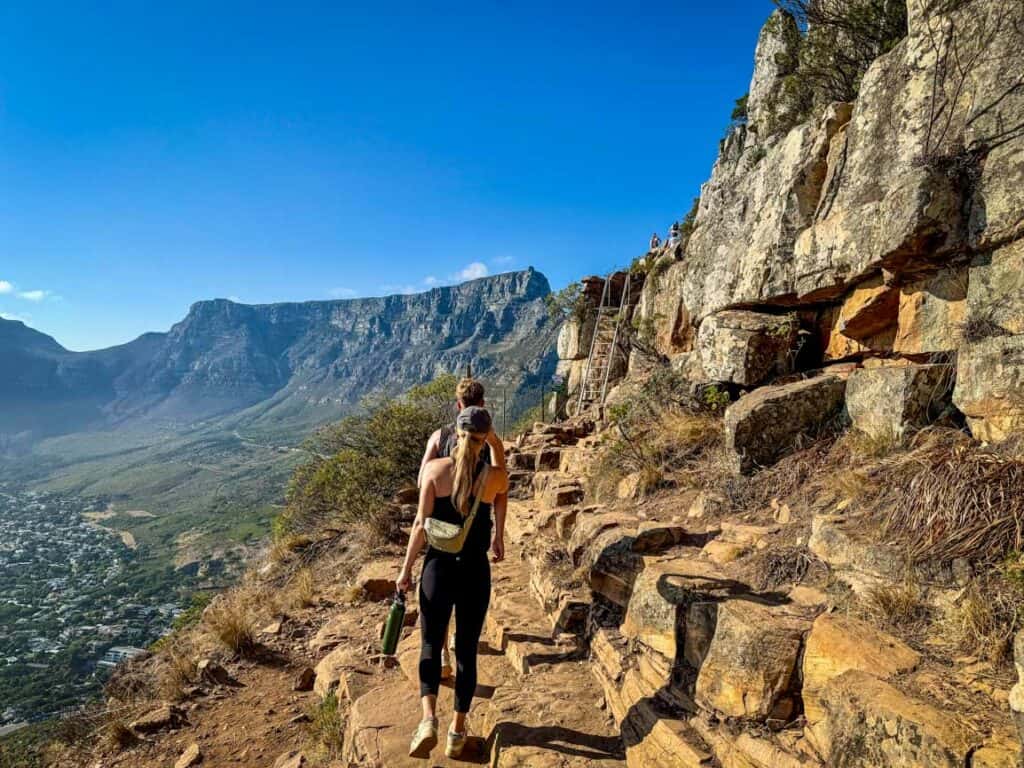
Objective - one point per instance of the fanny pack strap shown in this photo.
(481, 483)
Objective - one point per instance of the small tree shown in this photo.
(842, 38)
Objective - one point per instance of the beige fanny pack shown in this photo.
(451, 537)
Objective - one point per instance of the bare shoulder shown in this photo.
(437, 468)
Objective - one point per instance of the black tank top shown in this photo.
(478, 541)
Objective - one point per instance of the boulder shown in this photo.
(293, 759)
(660, 739)
(837, 644)
(746, 348)
(750, 665)
(163, 718)
(192, 756)
(662, 593)
(995, 293)
(209, 671)
(305, 680)
(332, 668)
(895, 400)
(868, 723)
(859, 560)
(653, 536)
(932, 313)
(377, 579)
(990, 386)
(864, 322)
(764, 425)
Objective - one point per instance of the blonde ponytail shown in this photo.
(467, 456)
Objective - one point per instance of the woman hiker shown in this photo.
(441, 445)
(458, 490)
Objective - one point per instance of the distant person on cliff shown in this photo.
(655, 242)
(674, 234)
(468, 392)
(450, 488)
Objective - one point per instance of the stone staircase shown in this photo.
(632, 636)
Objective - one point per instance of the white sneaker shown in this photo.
(456, 743)
(425, 739)
(446, 664)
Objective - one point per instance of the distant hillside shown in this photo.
(286, 367)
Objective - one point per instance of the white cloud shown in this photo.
(342, 293)
(35, 296)
(16, 318)
(472, 271)
(431, 280)
(6, 287)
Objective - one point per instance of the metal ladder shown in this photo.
(603, 346)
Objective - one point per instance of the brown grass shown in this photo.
(116, 736)
(781, 565)
(176, 669)
(983, 621)
(663, 447)
(864, 446)
(231, 621)
(303, 588)
(947, 497)
(895, 605)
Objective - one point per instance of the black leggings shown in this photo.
(462, 583)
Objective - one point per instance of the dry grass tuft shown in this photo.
(116, 736)
(781, 565)
(661, 445)
(176, 669)
(231, 621)
(948, 498)
(983, 621)
(863, 446)
(303, 588)
(895, 605)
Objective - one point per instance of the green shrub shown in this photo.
(842, 39)
(362, 461)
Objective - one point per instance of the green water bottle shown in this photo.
(393, 627)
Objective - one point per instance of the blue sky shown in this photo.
(154, 154)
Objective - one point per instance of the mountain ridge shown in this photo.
(224, 357)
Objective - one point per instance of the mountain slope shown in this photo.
(287, 367)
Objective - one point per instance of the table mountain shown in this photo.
(281, 367)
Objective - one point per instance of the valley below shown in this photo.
(71, 589)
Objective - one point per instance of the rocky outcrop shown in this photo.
(889, 402)
(749, 668)
(776, 56)
(746, 348)
(990, 386)
(763, 425)
(868, 723)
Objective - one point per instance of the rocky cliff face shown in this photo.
(892, 226)
(293, 365)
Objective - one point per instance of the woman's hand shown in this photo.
(498, 549)
(404, 583)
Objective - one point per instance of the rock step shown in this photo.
(537, 704)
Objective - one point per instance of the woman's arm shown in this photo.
(417, 537)
(497, 450)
